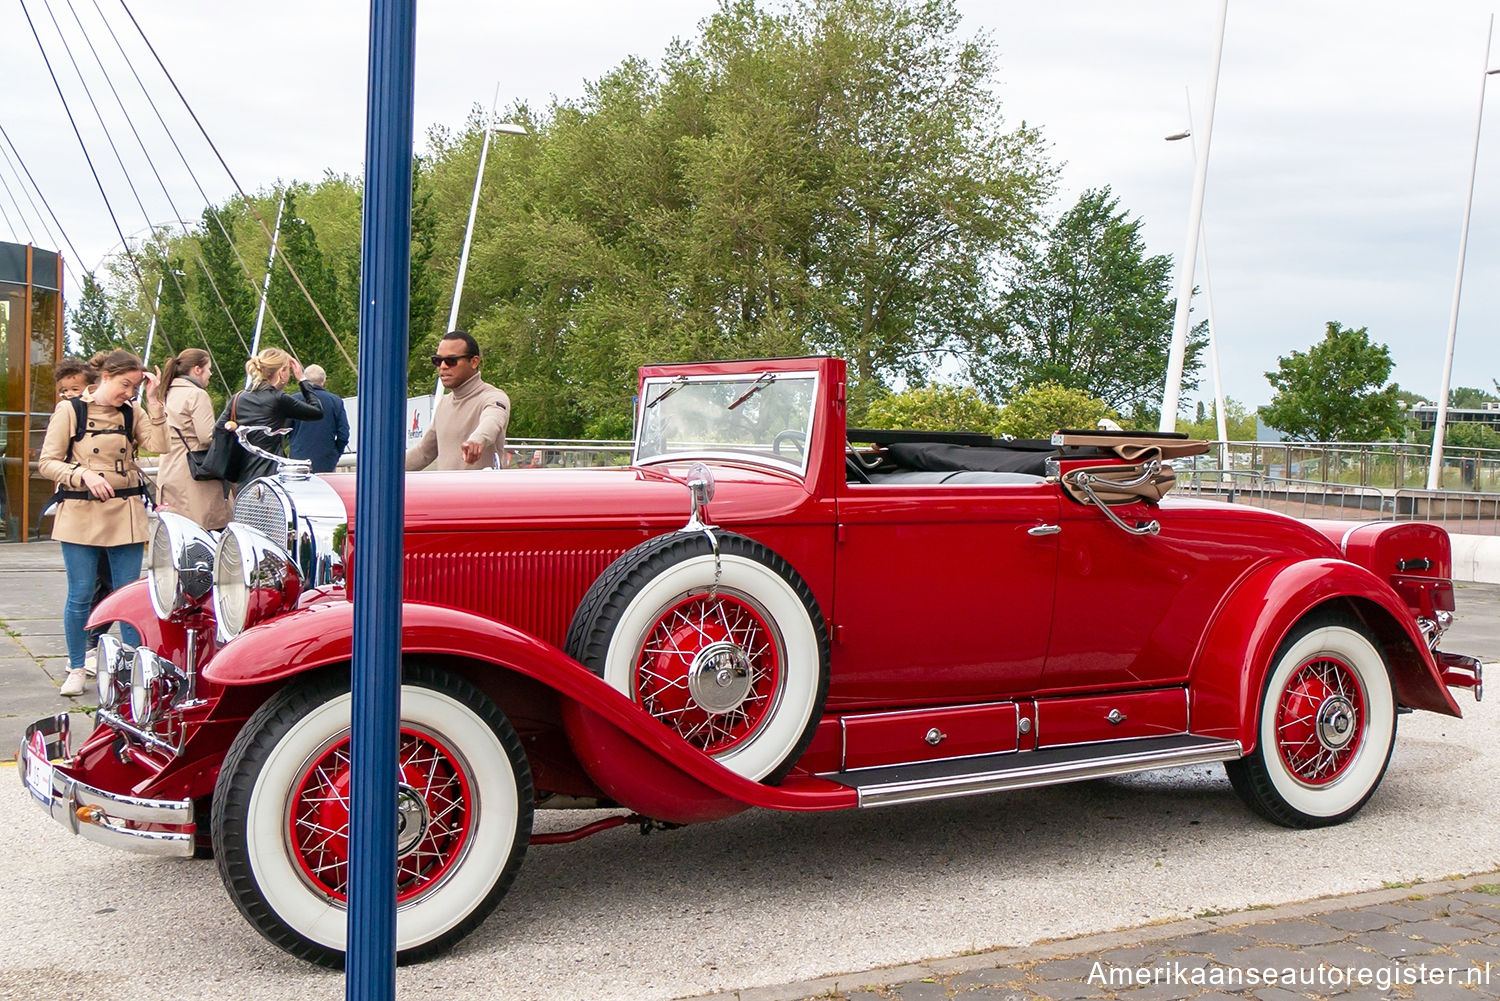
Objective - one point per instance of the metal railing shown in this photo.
(1460, 511)
(1384, 465)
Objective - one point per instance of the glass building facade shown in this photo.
(31, 340)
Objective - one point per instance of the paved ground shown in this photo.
(1427, 942)
(757, 904)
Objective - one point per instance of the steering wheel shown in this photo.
(793, 435)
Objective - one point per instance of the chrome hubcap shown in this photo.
(719, 678)
(1336, 722)
(411, 819)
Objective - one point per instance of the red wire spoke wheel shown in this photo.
(719, 639)
(281, 814)
(1325, 726)
(1319, 721)
(434, 803)
(710, 668)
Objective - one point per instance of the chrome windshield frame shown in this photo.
(659, 388)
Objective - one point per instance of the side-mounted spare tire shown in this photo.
(730, 652)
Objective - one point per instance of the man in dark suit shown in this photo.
(321, 441)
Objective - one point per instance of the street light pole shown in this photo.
(1173, 387)
(1435, 466)
(510, 128)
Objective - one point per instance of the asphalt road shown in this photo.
(766, 898)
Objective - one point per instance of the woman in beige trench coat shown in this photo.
(190, 428)
(103, 507)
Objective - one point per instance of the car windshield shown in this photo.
(762, 416)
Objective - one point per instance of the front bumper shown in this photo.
(148, 826)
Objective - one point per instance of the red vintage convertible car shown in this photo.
(764, 609)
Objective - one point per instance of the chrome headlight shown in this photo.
(254, 579)
(154, 685)
(110, 661)
(180, 565)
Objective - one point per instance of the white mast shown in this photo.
(265, 287)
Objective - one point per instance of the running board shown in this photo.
(912, 783)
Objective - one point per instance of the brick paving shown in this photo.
(1427, 942)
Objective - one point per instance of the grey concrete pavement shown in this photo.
(757, 904)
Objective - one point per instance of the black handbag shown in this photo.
(224, 456)
(194, 459)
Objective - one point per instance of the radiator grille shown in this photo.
(537, 592)
(263, 509)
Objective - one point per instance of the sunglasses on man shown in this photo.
(444, 361)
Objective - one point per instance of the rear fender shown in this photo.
(1230, 664)
(632, 757)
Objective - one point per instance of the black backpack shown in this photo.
(80, 429)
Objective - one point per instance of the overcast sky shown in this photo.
(1339, 164)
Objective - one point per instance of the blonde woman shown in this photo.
(190, 428)
(266, 405)
(102, 509)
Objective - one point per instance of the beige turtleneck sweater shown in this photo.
(475, 411)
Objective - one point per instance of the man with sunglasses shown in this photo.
(469, 420)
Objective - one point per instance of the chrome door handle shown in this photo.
(1044, 530)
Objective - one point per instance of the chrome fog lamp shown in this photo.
(110, 662)
(154, 684)
(254, 579)
(180, 566)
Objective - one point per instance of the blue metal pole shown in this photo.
(385, 272)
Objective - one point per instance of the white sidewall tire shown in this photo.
(1361, 776)
(491, 836)
(780, 735)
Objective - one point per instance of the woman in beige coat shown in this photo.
(103, 505)
(190, 428)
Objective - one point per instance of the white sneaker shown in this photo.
(91, 662)
(75, 682)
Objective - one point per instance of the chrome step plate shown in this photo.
(913, 783)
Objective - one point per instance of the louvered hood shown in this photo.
(522, 546)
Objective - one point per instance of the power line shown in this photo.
(52, 240)
(156, 173)
(25, 223)
(129, 255)
(212, 213)
(108, 138)
(14, 238)
(253, 210)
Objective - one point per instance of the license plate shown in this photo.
(38, 769)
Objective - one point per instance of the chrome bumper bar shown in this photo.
(97, 814)
(1461, 671)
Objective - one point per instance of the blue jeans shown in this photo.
(82, 563)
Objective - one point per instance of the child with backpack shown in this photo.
(89, 451)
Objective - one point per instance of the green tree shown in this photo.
(93, 321)
(303, 331)
(1239, 422)
(1470, 398)
(225, 301)
(1050, 407)
(1336, 391)
(1470, 434)
(1091, 311)
(934, 408)
(831, 175)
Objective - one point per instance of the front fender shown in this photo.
(131, 604)
(640, 763)
(1236, 651)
